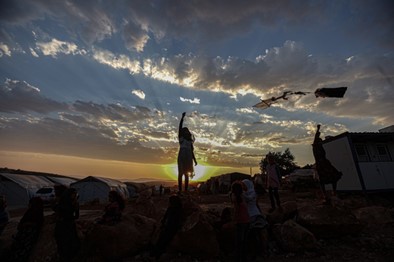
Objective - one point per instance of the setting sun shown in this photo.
(202, 172)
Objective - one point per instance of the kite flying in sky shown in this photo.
(338, 92)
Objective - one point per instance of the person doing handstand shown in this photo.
(185, 155)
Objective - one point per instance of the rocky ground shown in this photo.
(354, 228)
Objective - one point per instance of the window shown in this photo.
(383, 153)
(362, 153)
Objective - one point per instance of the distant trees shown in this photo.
(284, 160)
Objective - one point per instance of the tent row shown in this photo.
(20, 188)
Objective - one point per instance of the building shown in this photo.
(365, 160)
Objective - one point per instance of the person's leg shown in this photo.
(180, 181)
(271, 194)
(276, 195)
(334, 188)
(241, 234)
(324, 192)
(186, 182)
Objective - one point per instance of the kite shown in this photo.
(337, 92)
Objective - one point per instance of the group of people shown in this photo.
(66, 211)
(327, 173)
(248, 217)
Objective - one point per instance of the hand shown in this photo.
(195, 163)
(183, 114)
(318, 127)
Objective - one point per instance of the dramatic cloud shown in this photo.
(191, 101)
(54, 47)
(211, 59)
(139, 93)
(4, 50)
(17, 96)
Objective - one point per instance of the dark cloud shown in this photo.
(65, 138)
(19, 96)
(112, 111)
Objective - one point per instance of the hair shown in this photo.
(36, 203)
(186, 134)
(118, 198)
(237, 190)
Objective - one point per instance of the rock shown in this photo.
(197, 238)
(144, 205)
(128, 237)
(190, 205)
(328, 221)
(373, 215)
(294, 238)
(287, 211)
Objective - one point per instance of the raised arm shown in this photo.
(181, 124)
(317, 135)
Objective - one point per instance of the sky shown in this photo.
(98, 87)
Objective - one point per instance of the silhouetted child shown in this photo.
(185, 155)
(170, 225)
(256, 219)
(29, 228)
(4, 216)
(66, 210)
(113, 211)
(241, 217)
(326, 172)
(225, 231)
(273, 182)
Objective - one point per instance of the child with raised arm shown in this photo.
(185, 155)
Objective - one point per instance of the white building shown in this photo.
(365, 159)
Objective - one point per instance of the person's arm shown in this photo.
(181, 124)
(194, 157)
(317, 135)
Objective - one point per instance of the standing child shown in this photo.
(185, 155)
(241, 217)
(273, 182)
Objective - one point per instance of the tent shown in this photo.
(18, 188)
(94, 188)
(58, 180)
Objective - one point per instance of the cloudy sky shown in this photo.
(98, 87)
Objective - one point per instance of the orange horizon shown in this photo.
(80, 167)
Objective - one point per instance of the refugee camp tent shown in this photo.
(94, 188)
(134, 188)
(58, 180)
(19, 188)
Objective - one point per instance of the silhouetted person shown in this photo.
(66, 210)
(4, 216)
(113, 211)
(273, 182)
(241, 217)
(161, 190)
(29, 228)
(257, 220)
(326, 172)
(185, 155)
(170, 225)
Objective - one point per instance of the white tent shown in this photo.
(18, 188)
(96, 188)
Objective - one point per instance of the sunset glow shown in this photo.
(91, 88)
